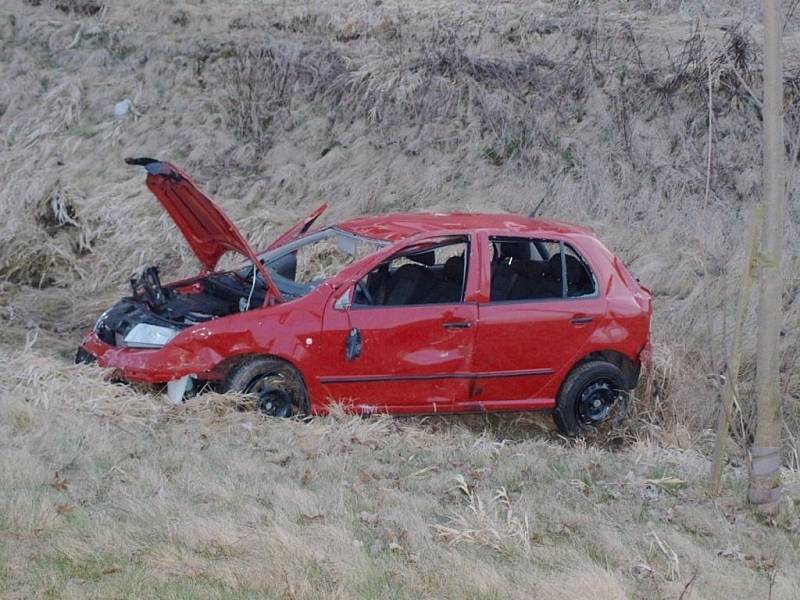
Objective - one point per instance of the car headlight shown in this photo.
(145, 335)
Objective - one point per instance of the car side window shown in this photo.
(430, 273)
(580, 280)
(537, 269)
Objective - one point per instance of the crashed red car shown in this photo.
(401, 313)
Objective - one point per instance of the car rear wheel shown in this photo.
(593, 394)
(277, 386)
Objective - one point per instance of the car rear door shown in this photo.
(524, 344)
(413, 357)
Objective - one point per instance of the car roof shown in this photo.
(400, 226)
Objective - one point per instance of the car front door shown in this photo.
(401, 339)
(532, 327)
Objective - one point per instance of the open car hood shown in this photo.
(208, 230)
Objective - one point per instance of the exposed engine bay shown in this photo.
(216, 295)
(153, 313)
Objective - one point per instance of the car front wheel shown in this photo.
(594, 393)
(277, 387)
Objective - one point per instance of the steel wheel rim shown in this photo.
(595, 402)
(272, 396)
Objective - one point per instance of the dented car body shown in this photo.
(403, 313)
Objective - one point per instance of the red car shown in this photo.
(402, 313)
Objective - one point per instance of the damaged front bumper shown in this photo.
(171, 365)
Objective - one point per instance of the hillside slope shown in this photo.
(593, 112)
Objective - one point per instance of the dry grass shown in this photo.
(113, 493)
(595, 112)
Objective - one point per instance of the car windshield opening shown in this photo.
(302, 265)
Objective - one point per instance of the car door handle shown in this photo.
(457, 325)
(581, 320)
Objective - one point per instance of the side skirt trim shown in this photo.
(483, 375)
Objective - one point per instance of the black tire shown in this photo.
(590, 396)
(278, 387)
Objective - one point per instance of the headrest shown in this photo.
(454, 268)
(515, 250)
(409, 270)
(575, 270)
(427, 258)
(553, 267)
(528, 268)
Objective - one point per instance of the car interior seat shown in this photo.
(503, 276)
(533, 281)
(579, 282)
(449, 284)
(407, 285)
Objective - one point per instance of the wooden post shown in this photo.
(735, 359)
(765, 468)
